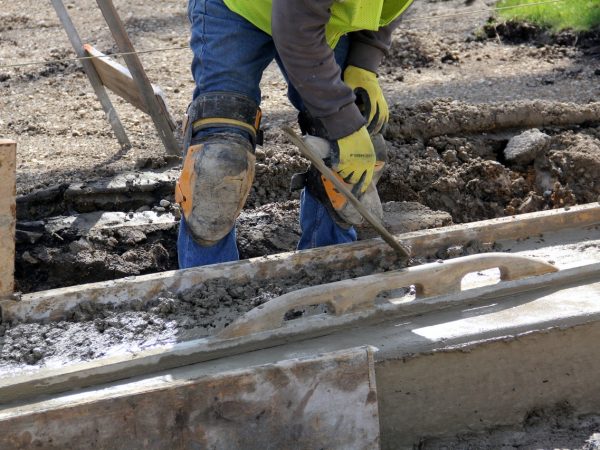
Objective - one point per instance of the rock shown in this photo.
(165, 203)
(79, 246)
(532, 203)
(593, 442)
(523, 148)
(455, 251)
(450, 156)
(28, 258)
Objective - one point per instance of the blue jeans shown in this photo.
(231, 54)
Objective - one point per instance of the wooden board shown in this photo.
(88, 67)
(329, 401)
(118, 79)
(8, 220)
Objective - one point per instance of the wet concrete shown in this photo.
(94, 330)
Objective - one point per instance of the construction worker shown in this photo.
(328, 52)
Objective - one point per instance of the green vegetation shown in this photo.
(578, 15)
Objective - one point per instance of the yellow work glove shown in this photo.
(353, 159)
(369, 97)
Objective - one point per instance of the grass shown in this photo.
(577, 15)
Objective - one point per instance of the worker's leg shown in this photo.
(318, 227)
(230, 55)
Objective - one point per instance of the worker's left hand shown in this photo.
(369, 97)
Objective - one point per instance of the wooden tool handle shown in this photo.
(356, 294)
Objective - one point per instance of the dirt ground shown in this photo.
(445, 63)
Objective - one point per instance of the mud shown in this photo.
(454, 179)
(545, 428)
(469, 178)
(83, 248)
(515, 32)
(94, 330)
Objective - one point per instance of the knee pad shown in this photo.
(218, 169)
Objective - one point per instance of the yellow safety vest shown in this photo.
(346, 15)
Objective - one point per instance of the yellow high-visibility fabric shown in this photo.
(346, 15)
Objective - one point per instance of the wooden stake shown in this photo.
(8, 155)
(139, 75)
(88, 67)
(118, 79)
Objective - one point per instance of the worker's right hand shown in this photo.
(353, 158)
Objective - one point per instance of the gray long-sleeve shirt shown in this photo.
(298, 28)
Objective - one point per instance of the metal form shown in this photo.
(327, 401)
(151, 100)
(8, 220)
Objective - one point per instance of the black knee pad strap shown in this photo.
(224, 109)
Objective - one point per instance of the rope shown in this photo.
(166, 49)
(57, 61)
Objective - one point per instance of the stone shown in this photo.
(525, 147)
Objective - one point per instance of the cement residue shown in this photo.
(275, 165)
(69, 256)
(544, 428)
(573, 161)
(269, 229)
(94, 330)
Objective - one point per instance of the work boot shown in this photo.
(221, 132)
